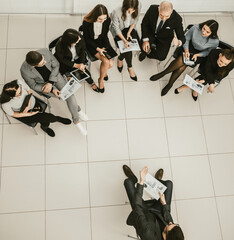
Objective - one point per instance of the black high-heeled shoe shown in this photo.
(194, 97)
(101, 90)
(176, 91)
(133, 78)
(106, 78)
(94, 89)
(120, 69)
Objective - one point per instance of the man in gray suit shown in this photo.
(40, 71)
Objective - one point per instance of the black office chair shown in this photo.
(43, 106)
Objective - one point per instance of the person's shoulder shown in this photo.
(116, 12)
(153, 7)
(176, 16)
(44, 51)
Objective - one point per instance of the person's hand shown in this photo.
(162, 198)
(200, 81)
(211, 88)
(26, 109)
(129, 37)
(176, 42)
(186, 53)
(146, 46)
(126, 44)
(101, 51)
(56, 92)
(80, 66)
(47, 88)
(33, 113)
(143, 173)
(195, 56)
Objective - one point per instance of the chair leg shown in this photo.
(34, 130)
(133, 237)
(8, 119)
(48, 103)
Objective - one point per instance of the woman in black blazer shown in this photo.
(95, 29)
(217, 66)
(70, 51)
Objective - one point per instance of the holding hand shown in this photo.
(211, 88)
(162, 198)
(101, 51)
(146, 46)
(129, 37)
(176, 42)
(186, 53)
(195, 56)
(47, 88)
(56, 92)
(126, 44)
(143, 173)
(80, 66)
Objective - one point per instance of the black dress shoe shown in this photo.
(133, 78)
(194, 98)
(176, 91)
(65, 121)
(165, 90)
(159, 174)
(106, 78)
(49, 131)
(101, 90)
(94, 89)
(142, 56)
(157, 76)
(128, 172)
(120, 69)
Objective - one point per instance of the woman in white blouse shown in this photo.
(124, 20)
(12, 98)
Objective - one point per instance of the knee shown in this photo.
(105, 61)
(169, 184)
(161, 58)
(182, 68)
(111, 63)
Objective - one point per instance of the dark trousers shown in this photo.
(128, 55)
(43, 118)
(154, 204)
(65, 69)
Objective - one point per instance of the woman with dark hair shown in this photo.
(217, 66)
(124, 20)
(200, 40)
(95, 28)
(70, 51)
(12, 99)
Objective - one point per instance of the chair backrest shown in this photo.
(188, 27)
(223, 45)
(53, 43)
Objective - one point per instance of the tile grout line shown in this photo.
(168, 149)
(87, 162)
(45, 165)
(212, 178)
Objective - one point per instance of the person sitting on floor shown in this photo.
(151, 219)
(12, 99)
(40, 71)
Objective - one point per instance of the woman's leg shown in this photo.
(105, 65)
(173, 66)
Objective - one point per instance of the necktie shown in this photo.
(159, 26)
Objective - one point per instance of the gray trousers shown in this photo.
(73, 107)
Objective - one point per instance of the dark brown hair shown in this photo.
(213, 25)
(95, 13)
(229, 55)
(130, 4)
(9, 91)
(175, 234)
(33, 58)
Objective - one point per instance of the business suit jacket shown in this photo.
(101, 41)
(65, 57)
(166, 34)
(34, 79)
(146, 222)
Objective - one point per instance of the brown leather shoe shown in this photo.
(127, 171)
(159, 174)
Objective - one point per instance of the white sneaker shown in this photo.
(83, 116)
(81, 128)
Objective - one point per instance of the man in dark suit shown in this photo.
(160, 26)
(151, 219)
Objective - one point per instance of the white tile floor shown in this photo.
(47, 194)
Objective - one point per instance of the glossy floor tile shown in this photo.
(72, 187)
